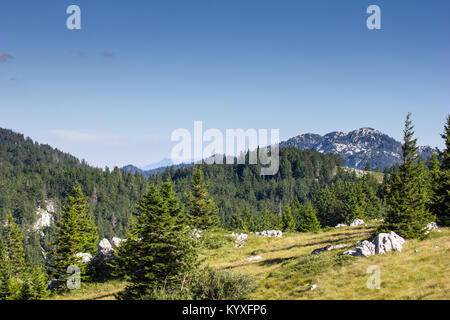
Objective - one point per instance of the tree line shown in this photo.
(161, 252)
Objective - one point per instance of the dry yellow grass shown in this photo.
(93, 291)
(288, 269)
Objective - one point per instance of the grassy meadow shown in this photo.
(288, 270)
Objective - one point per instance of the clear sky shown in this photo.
(114, 91)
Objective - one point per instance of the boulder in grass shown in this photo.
(85, 257)
(365, 249)
(254, 258)
(105, 248)
(341, 225)
(385, 242)
(329, 248)
(357, 222)
(431, 227)
(270, 233)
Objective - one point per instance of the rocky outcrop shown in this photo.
(385, 242)
(116, 242)
(105, 248)
(45, 217)
(382, 243)
(432, 226)
(357, 222)
(341, 225)
(270, 233)
(240, 239)
(85, 257)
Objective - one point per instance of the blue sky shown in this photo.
(114, 91)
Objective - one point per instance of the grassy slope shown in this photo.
(287, 269)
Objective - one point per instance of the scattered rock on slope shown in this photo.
(329, 248)
(270, 233)
(382, 243)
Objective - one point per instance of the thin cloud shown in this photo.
(87, 137)
(108, 54)
(4, 57)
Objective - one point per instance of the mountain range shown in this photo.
(357, 148)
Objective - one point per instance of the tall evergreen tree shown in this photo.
(76, 233)
(408, 193)
(287, 220)
(310, 221)
(160, 251)
(16, 281)
(11, 241)
(441, 196)
(202, 209)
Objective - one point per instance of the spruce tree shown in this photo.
(287, 220)
(408, 193)
(11, 240)
(75, 233)
(202, 209)
(310, 221)
(160, 251)
(441, 195)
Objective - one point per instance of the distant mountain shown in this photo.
(163, 163)
(356, 147)
(148, 173)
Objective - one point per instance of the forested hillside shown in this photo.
(31, 173)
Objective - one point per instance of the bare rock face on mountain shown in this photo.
(356, 147)
(45, 216)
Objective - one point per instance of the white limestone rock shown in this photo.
(254, 258)
(105, 248)
(431, 227)
(270, 233)
(356, 222)
(45, 216)
(365, 249)
(85, 257)
(116, 242)
(385, 242)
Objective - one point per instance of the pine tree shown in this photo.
(441, 196)
(287, 220)
(408, 193)
(202, 210)
(76, 233)
(311, 223)
(160, 251)
(11, 240)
